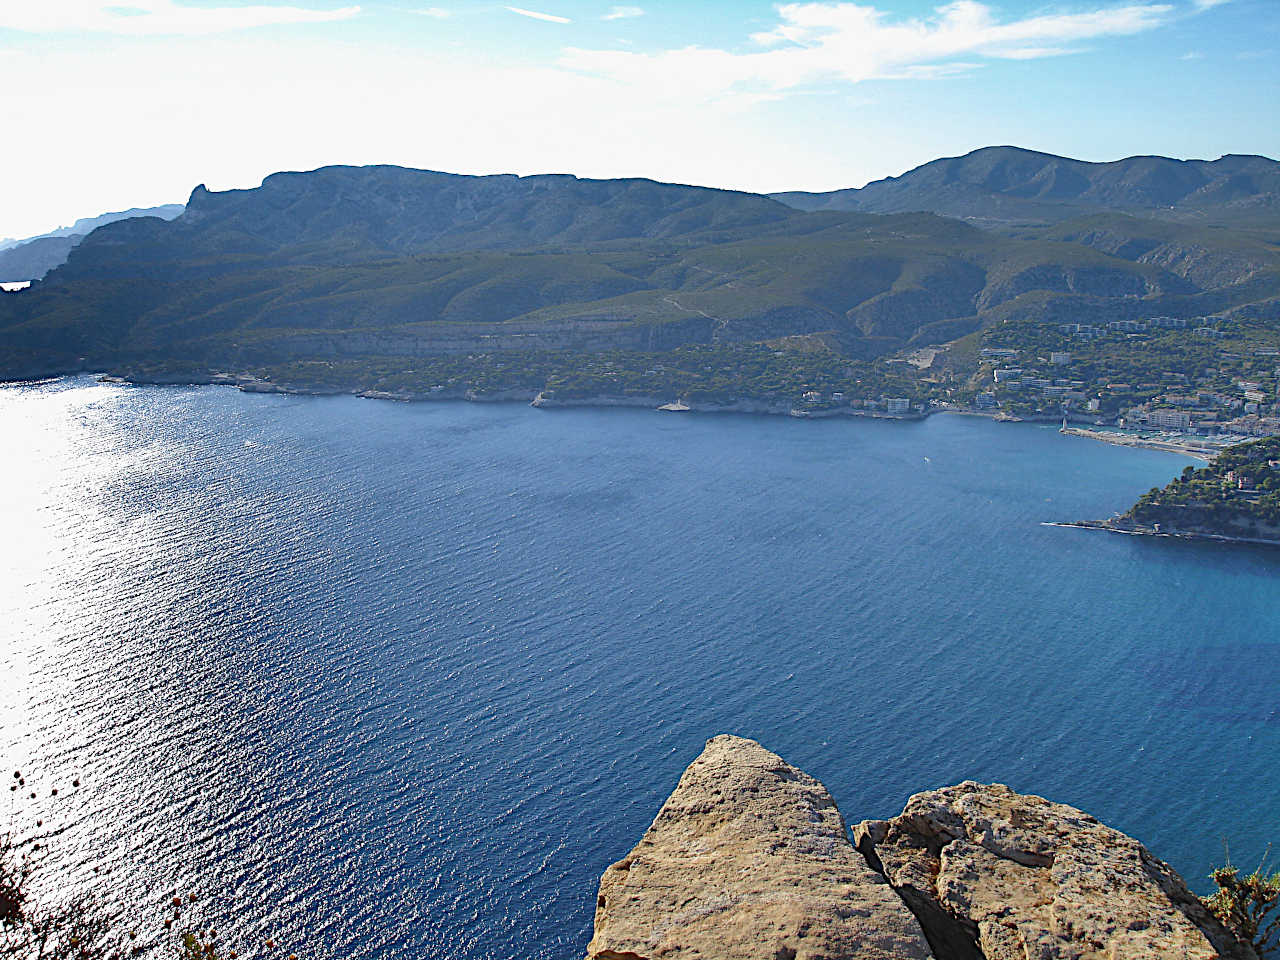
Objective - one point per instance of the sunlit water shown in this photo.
(383, 679)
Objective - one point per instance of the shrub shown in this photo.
(1247, 906)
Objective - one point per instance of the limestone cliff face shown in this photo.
(749, 858)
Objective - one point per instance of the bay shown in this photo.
(384, 679)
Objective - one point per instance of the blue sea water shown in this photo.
(384, 679)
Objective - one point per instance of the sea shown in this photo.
(377, 679)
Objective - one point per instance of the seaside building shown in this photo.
(1059, 358)
(897, 405)
(1170, 419)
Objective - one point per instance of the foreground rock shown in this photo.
(995, 874)
(749, 858)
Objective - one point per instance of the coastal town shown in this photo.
(1200, 384)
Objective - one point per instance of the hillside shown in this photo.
(1008, 186)
(32, 258)
(345, 263)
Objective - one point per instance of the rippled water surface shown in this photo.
(387, 679)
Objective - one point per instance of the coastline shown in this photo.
(780, 408)
(1203, 449)
(535, 398)
(1108, 526)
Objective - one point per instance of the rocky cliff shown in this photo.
(749, 858)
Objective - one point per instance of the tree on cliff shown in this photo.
(1247, 907)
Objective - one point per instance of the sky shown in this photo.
(110, 104)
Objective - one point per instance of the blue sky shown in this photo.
(133, 102)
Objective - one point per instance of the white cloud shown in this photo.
(438, 13)
(1209, 4)
(1192, 55)
(852, 42)
(154, 17)
(535, 15)
(623, 13)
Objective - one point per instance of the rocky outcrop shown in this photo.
(1023, 878)
(749, 858)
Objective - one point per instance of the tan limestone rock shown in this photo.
(1025, 879)
(749, 859)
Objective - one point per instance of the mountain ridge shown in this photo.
(1006, 184)
(345, 262)
(32, 257)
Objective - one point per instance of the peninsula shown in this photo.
(1236, 498)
